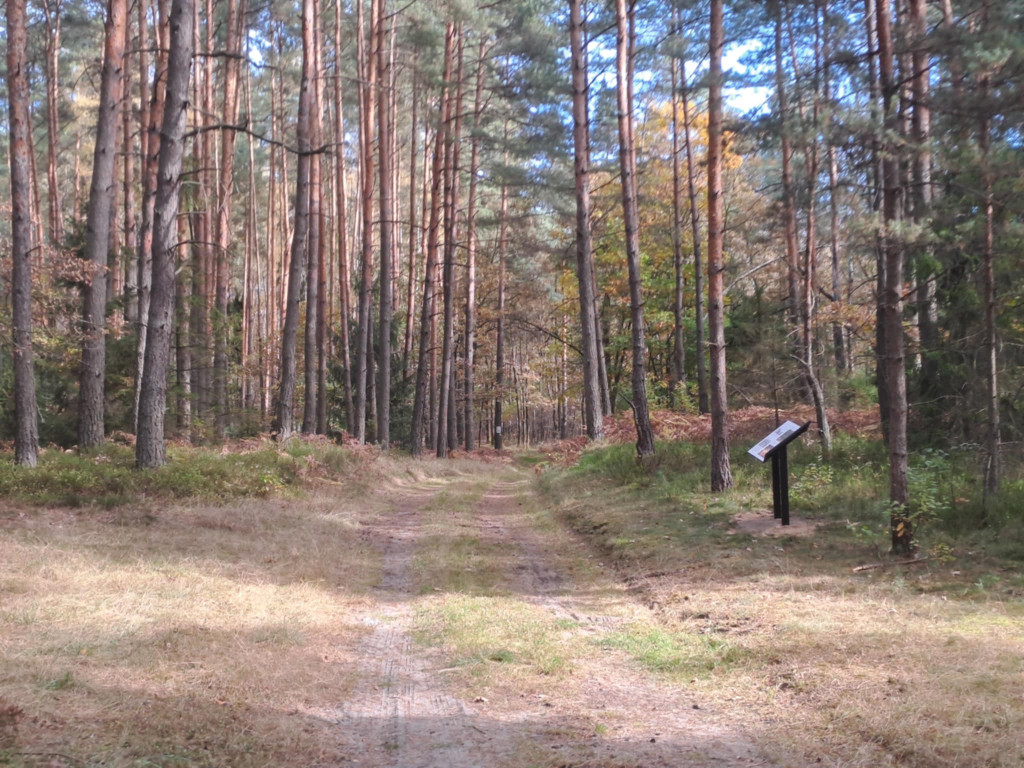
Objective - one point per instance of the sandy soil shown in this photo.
(407, 713)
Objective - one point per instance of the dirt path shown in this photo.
(411, 712)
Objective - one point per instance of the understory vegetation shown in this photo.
(912, 664)
(106, 477)
(847, 495)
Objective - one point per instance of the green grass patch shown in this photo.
(479, 632)
(671, 653)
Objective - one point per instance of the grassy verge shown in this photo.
(214, 632)
(918, 666)
(107, 477)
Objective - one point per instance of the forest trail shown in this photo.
(424, 701)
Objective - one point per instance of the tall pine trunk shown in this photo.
(627, 165)
(341, 221)
(150, 163)
(102, 190)
(26, 431)
(296, 263)
(150, 448)
(592, 406)
(225, 190)
(367, 95)
(698, 260)
(387, 236)
(891, 306)
(677, 369)
(499, 357)
(422, 409)
(446, 396)
(471, 235)
(721, 471)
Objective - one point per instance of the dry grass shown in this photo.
(186, 635)
(922, 666)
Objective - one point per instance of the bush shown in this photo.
(107, 477)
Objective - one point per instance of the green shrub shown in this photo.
(107, 477)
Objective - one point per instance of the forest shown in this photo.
(441, 226)
(377, 380)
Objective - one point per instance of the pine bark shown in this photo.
(499, 357)
(341, 221)
(446, 396)
(52, 70)
(225, 191)
(992, 466)
(593, 412)
(677, 370)
(102, 191)
(367, 95)
(314, 337)
(410, 302)
(927, 307)
(471, 237)
(422, 405)
(387, 236)
(150, 449)
(892, 304)
(151, 158)
(297, 258)
(721, 471)
(627, 164)
(700, 343)
(26, 433)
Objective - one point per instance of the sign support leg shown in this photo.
(776, 487)
(784, 483)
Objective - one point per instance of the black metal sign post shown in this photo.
(774, 447)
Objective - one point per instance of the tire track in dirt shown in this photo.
(658, 723)
(404, 716)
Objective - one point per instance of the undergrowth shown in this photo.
(850, 489)
(107, 477)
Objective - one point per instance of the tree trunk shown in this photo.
(182, 343)
(927, 308)
(499, 358)
(677, 369)
(892, 303)
(387, 236)
(627, 164)
(592, 407)
(131, 268)
(992, 467)
(474, 163)
(838, 335)
(788, 197)
(721, 471)
(446, 396)
(410, 302)
(26, 434)
(286, 397)
(341, 219)
(150, 162)
(150, 449)
(52, 50)
(422, 408)
(314, 338)
(97, 231)
(698, 261)
(225, 190)
(367, 94)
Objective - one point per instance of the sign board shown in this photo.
(775, 439)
